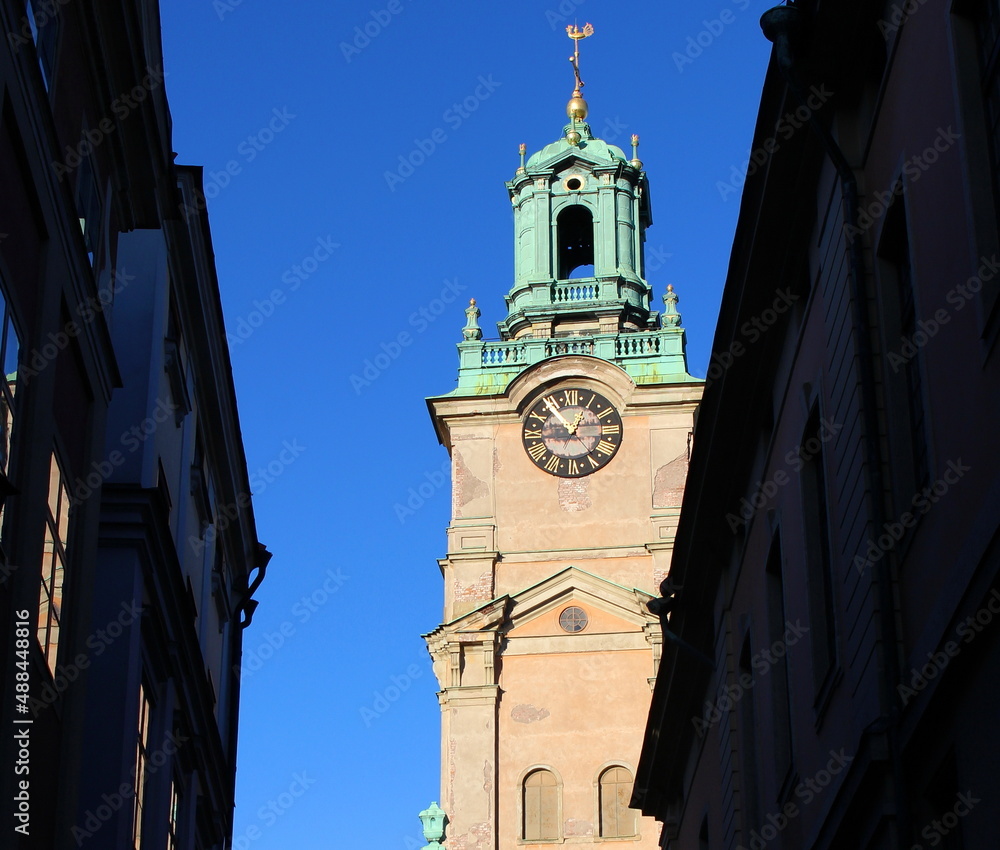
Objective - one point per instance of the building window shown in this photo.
(819, 559)
(573, 619)
(88, 206)
(575, 229)
(780, 689)
(540, 799)
(50, 596)
(904, 358)
(173, 817)
(749, 733)
(617, 819)
(141, 769)
(10, 348)
(912, 369)
(43, 21)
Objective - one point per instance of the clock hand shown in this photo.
(576, 423)
(558, 415)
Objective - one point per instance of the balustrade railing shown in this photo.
(563, 293)
(503, 354)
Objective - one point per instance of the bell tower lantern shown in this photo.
(580, 215)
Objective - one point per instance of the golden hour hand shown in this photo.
(555, 411)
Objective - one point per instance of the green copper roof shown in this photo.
(589, 148)
(579, 206)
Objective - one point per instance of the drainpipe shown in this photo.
(781, 25)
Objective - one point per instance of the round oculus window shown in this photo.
(574, 184)
(573, 619)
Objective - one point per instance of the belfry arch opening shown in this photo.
(575, 240)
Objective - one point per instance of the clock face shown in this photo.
(572, 432)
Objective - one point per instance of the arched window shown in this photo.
(575, 228)
(617, 819)
(540, 806)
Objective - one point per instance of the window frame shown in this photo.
(820, 579)
(144, 722)
(599, 834)
(535, 769)
(55, 548)
(9, 397)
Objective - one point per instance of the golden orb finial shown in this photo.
(636, 163)
(576, 109)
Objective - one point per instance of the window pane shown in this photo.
(53, 566)
(11, 347)
(540, 806)
(617, 819)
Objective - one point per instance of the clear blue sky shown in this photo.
(308, 117)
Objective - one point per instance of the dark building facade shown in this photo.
(830, 668)
(129, 549)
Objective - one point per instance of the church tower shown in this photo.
(569, 439)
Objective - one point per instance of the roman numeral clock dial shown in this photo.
(571, 432)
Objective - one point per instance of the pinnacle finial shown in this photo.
(671, 318)
(472, 331)
(636, 163)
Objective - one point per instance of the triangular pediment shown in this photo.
(619, 606)
(618, 603)
(559, 160)
(487, 617)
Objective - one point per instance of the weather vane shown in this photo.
(577, 34)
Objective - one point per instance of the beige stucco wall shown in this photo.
(531, 694)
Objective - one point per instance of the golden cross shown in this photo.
(577, 34)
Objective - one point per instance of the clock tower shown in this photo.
(569, 438)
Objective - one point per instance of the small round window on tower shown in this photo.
(573, 619)
(574, 183)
